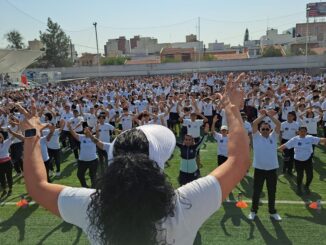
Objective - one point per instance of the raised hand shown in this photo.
(233, 93)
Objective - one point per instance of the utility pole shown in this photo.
(199, 48)
(72, 57)
(307, 36)
(98, 56)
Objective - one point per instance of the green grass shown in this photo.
(229, 225)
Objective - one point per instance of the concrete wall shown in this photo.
(274, 63)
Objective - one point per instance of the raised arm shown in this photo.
(271, 115)
(255, 123)
(38, 188)
(232, 171)
(16, 135)
(73, 133)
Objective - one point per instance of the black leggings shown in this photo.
(55, 154)
(82, 168)
(16, 153)
(301, 167)
(6, 175)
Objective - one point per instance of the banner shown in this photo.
(316, 9)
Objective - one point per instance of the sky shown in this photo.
(168, 20)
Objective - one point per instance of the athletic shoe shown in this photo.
(276, 217)
(57, 174)
(252, 216)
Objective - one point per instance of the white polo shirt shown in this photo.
(66, 117)
(302, 146)
(126, 122)
(289, 130)
(75, 121)
(265, 151)
(195, 202)
(193, 127)
(311, 124)
(222, 142)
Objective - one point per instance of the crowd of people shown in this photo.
(280, 111)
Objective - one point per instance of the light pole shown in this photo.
(307, 35)
(98, 56)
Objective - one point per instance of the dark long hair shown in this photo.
(131, 197)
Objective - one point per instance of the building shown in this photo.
(87, 59)
(273, 38)
(197, 46)
(317, 29)
(117, 47)
(217, 46)
(35, 45)
(253, 48)
(147, 46)
(177, 55)
(133, 41)
(191, 38)
(229, 55)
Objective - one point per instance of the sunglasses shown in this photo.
(264, 129)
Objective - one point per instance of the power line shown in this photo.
(40, 21)
(148, 27)
(249, 21)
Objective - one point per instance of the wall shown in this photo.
(174, 68)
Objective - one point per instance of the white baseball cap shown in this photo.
(161, 143)
(224, 127)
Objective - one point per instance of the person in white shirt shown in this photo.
(222, 142)
(87, 159)
(323, 108)
(5, 165)
(303, 151)
(310, 119)
(53, 144)
(103, 131)
(77, 125)
(289, 130)
(65, 116)
(134, 196)
(265, 161)
(16, 148)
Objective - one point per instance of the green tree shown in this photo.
(272, 52)
(119, 60)
(15, 39)
(56, 45)
(246, 36)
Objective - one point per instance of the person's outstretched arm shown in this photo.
(233, 170)
(38, 188)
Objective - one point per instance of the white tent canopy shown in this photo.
(12, 61)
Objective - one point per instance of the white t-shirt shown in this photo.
(104, 132)
(66, 117)
(44, 149)
(4, 148)
(194, 204)
(311, 124)
(193, 128)
(247, 126)
(302, 146)
(54, 142)
(222, 143)
(126, 122)
(91, 119)
(75, 121)
(289, 130)
(87, 149)
(265, 151)
(323, 107)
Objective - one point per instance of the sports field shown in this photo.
(300, 224)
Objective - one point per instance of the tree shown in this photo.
(272, 52)
(56, 45)
(246, 36)
(15, 39)
(119, 60)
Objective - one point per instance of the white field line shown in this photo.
(226, 201)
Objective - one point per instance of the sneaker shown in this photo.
(57, 174)
(276, 217)
(252, 216)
